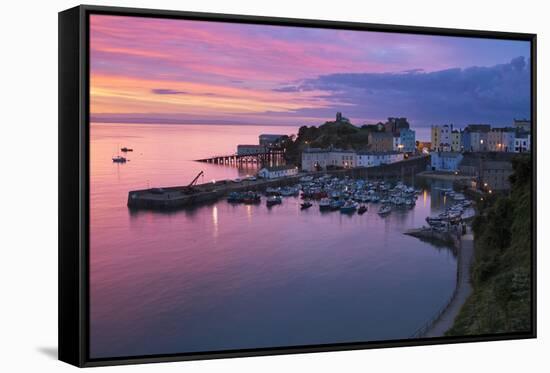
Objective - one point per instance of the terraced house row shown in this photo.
(482, 138)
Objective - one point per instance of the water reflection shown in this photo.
(220, 276)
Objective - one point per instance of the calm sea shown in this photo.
(223, 276)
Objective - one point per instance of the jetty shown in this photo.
(269, 156)
(165, 198)
(447, 237)
(185, 196)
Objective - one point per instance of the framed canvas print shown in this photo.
(238, 186)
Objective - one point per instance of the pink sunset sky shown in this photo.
(177, 71)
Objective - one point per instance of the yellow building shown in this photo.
(436, 137)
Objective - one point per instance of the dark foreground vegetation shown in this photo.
(501, 273)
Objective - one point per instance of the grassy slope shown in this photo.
(501, 298)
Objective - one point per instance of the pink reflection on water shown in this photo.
(232, 276)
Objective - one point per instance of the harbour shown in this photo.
(268, 268)
(185, 196)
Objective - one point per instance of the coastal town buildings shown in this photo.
(491, 171)
(522, 142)
(380, 141)
(342, 158)
(475, 137)
(372, 159)
(441, 138)
(397, 143)
(522, 124)
(265, 142)
(423, 147)
(251, 149)
(270, 139)
(407, 140)
(317, 159)
(456, 140)
(495, 140)
(278, 171)
(395, 125)
(495, 175)
(445, 161)
(508, 139)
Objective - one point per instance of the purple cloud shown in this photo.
(167, 91)
(493, 94)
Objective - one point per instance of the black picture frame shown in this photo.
(74, 182)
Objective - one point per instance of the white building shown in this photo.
(508, 140)
(478, 141)
(342, 158)
(372, 159)
(441, 138)
(316, 159)
(522, 143)
(277, 171)
(456, 141)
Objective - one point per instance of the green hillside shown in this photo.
(501, 273)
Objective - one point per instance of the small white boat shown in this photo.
(324, 204)
(349, 207)
(384, 210)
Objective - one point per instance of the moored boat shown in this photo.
(251, 198)
(349, 207)
(288, 191)
(234, 197)
(274, 200)
(384, 210)
(324, 204)
(335, 205)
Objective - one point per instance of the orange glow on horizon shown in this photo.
(120, 94)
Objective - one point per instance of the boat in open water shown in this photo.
(119, 159)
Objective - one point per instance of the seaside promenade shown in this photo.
(463, 290)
